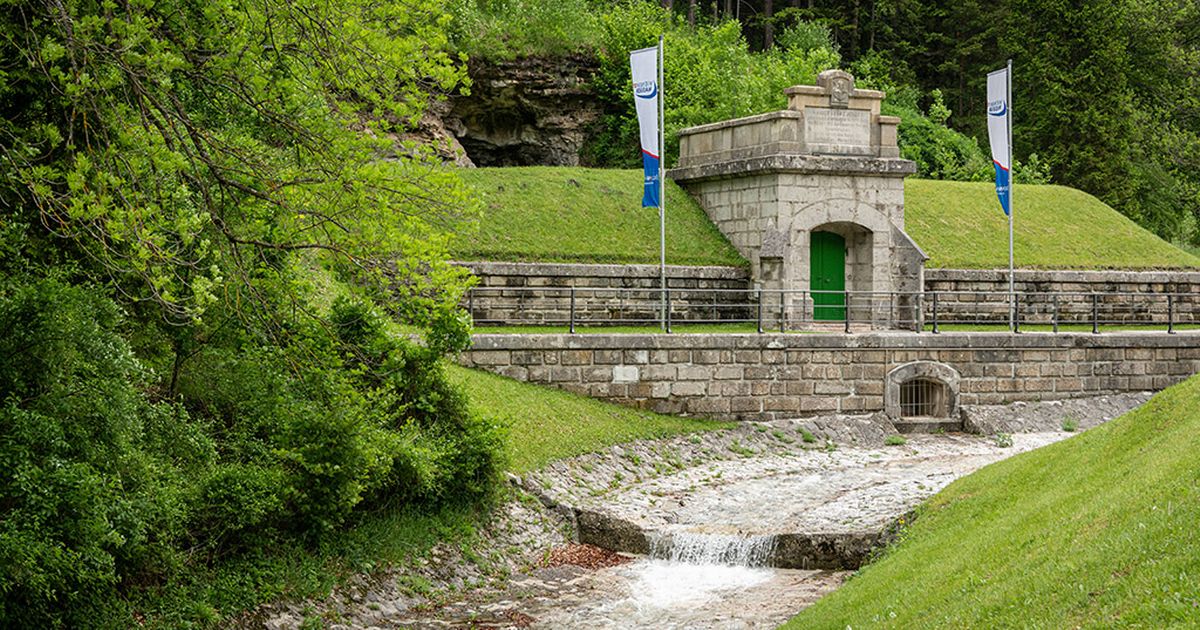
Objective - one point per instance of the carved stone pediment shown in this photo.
(839, 84)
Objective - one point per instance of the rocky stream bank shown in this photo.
(739, 528)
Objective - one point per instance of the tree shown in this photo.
(184, 146)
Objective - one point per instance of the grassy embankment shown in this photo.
(564, 214)
(1096, 531)
(548, 424)
(543, 425)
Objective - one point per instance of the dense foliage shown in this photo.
(207, 234)
(1105, 91)
(703, 57)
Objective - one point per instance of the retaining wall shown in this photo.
(767, 376)
(539, 293)
(982, 295)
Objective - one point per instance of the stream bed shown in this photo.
(729, 529)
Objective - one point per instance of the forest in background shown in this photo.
(1105, 91)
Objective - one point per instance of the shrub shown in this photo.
(699, 64)
(84, 504)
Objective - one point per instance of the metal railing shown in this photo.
(783, 310)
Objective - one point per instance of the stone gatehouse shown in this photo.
(813, 197)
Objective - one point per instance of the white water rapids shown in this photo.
(708, 549)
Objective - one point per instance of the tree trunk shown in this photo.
(692, 13)
(769, 25)
(668, 4)
(856, 37)
(874, 18)
(728, 9)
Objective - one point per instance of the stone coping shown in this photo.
(738, 122)
(816, 90)
(589, 270)
(818, 164)
(776, 341)
(1065, 275)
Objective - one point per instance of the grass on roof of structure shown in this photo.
(546, 424)
(571, 214)
(960, 225)
(1096, 531)
(566, 214)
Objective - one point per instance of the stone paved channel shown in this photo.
(778, 482)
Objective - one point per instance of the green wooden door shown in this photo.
(827, 268)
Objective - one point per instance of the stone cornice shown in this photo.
(818, 164)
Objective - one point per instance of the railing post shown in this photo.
(846, 300)
(572, 316)
(935, 312)
(668, 307)
(1095, 314)
(1016, 313)
(1056, 313)
(918, 313)
(782, 311)
(471, 305)
(1170, 314)
(760, 309)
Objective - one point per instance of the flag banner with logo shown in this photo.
(644, 64)
(999, 121)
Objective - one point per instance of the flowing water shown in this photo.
(712, 549)
(667, 594)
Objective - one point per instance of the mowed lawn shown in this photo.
(1098, 531)
(565, 214)
(961, 225)
(546, 424)
(571, 214)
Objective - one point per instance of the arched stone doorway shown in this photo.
(841, 264)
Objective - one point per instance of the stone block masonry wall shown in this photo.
(752, 377)
(534, 293)
(539, 293)
(1123, 296)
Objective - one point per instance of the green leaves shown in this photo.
(200, 136)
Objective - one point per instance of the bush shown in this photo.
(85, 505)
(699, 64)
(105, 488)
(503, 29)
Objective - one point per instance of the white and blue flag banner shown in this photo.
(644, 64)
(999, 121)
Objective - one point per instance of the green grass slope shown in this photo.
(546, 424)
(564, 214)
(1101, 530)
(961, 225)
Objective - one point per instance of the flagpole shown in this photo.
(662, 184)
(1012, 185)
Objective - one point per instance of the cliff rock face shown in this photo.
(525, 112)
(439, 131)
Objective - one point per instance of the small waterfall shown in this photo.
(728, 549)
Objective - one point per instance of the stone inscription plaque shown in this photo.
(837, 131)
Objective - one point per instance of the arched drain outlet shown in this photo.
(922, 397)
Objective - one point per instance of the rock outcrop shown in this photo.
(524, 112)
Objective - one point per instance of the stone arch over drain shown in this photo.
(928, 388)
